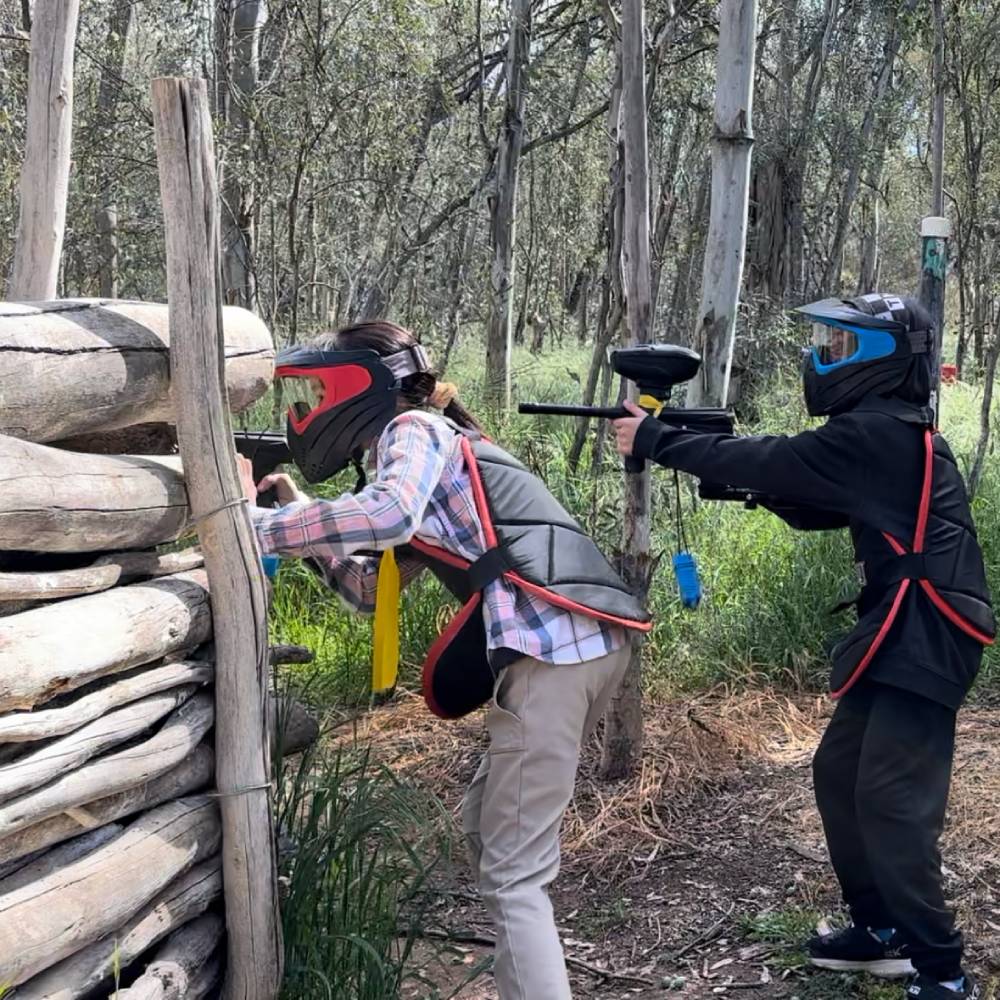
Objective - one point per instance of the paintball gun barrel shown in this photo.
(656, 369)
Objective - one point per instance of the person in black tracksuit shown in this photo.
(883, 769)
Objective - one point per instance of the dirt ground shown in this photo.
(701, 876)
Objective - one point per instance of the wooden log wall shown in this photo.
(112, 841)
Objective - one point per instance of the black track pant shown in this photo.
(882, 773)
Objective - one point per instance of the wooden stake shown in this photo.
(186, 159)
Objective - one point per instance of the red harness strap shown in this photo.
(920, 535)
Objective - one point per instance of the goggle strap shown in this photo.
(921, 341)
(409, 361)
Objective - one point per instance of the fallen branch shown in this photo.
(58, 857)
(183, 900)
(47, 651)
(69, 752)
(51, 919)
(180, 734)
(47, 723)
(177, 961)
(193, 773)
(468, 937)
(713, 932)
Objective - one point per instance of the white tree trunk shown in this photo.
(45, 172)
(623, 724)
(103, 573)
(51, 919)
(186, 161)
(726, 244)
(184, 899)
(85, 366)
(51, 650)
(503, 206)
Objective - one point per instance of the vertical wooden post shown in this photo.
(45, 172)
(186, 159)
(623, 728)
(503, 207)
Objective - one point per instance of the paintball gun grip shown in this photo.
(266, 451)
(634, 466)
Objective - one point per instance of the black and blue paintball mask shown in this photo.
(339, 402)
(874, 344)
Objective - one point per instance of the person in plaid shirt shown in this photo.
(555, 669)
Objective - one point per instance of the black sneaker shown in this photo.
(926, 988)
(858, 949)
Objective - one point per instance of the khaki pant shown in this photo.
(540, 715)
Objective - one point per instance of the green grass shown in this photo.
(357, 849)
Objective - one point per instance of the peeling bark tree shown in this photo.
(45, 173)
(106, 207)
(724, 250)
(247, 18)
(623, 722)
(503, 206)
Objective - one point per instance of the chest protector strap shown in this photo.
(912, 567)
(459, 671)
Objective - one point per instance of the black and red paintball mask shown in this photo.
(339, 402)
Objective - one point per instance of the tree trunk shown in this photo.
(45, 724)
(611, 307)
(623, 722)
(55, 917)
(985, 415)
(883, 82)
(187, 182)
(69, 368)
(57, 648)
(45, 172)
(108, 94)
(192, 774)
(239, 285)
(503, 207)
(715, 334)
(934, 267)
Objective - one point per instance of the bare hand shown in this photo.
(626, 427)
(284, 486)
(245, 468)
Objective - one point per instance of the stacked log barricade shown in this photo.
(111, 879)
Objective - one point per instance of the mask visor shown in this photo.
(832, 345)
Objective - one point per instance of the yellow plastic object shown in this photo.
(385, 660)
(651, 403)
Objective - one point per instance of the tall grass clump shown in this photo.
(357, 847)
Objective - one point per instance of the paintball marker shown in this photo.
(266, 451)
(656, 369)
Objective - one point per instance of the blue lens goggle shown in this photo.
(870, 345)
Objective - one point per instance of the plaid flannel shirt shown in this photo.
(422, 489)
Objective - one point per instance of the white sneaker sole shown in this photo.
(887, 968)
